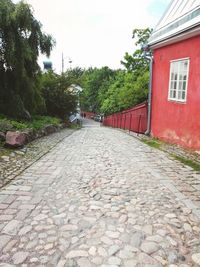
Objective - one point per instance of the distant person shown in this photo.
(84, 115)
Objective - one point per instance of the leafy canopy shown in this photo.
(108, 91)
(59, 98)
(21, 41)
(137, 62)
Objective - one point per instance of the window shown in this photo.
(178, 79)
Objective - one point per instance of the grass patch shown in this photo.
(152, 143)
(5, 151)
(75, 126)
(36, 123)
(194, 165)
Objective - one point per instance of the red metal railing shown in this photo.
(134, 119)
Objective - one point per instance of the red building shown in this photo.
(175, 89)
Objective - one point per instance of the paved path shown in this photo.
(100, 198)
(13, 162)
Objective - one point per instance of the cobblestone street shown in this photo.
(15, 161)
(101, 198)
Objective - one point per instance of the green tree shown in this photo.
(108, 91)
(95, 83)
(74, 76)
(60, 100)
(137, 62)
(111, 101)
(21, 41)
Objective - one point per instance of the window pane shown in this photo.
(173, 94)
(181, 65)
(178, 79)
(179, 94)
(184, 85)
(175, 66)
(184, 65)
(183, 95)
(180, 85)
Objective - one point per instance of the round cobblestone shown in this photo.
(100, 198)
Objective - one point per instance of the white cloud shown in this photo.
(94, 32)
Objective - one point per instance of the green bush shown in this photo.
(39, 122)
(36, 123)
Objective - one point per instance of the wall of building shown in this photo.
(177, 122)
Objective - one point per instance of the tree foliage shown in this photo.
(137, 62)
(108, 91)
(60, 99)
(21, 41)
(126, 91)
(95, 83)
(56, 96)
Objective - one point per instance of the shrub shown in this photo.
(36, 123)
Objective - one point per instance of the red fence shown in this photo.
(134, 119)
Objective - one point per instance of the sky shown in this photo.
(94, 33)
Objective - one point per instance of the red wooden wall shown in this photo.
(173, 121)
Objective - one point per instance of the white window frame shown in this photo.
(177, 89)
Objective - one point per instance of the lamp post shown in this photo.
(78, 90)
(63, 61)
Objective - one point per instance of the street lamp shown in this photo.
(78, 90)
(63, 59)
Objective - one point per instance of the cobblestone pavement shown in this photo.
(13, 162)
(184, 181)
(100, 198)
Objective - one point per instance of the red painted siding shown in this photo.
(172, 121)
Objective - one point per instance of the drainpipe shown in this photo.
(150, 59)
